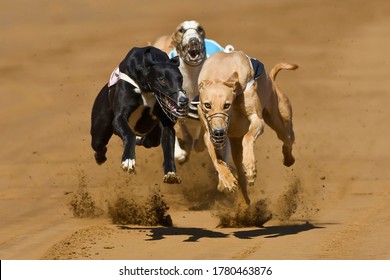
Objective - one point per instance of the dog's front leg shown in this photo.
(256, 128)
(180, 153)
(122, 129)
(227, 181)
(168, 145)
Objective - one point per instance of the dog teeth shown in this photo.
(128, 165)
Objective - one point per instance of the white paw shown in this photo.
(180, 154)
(128, 165)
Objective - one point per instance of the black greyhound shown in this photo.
(127, 107)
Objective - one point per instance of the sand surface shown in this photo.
(333, 203)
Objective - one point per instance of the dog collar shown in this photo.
(249, 84)
(257, 68)
(124, 77)
(253, 79)
(118, 75)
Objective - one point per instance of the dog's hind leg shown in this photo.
(183, 142)
(101, 125)
(283, 127)
(180, 153)
(279, 115)
(152, 139)
(236, 149)
(285, 133)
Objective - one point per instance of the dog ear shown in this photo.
(175, 40)
(175, 60)
(177, 36)
(234, 83)
(204, 84)
(148, 59)
(202, 31)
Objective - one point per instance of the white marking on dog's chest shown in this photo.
(190, 78)
(148, 99)
(148, 102)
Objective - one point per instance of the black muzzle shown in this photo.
(174, 109)
(218, 136)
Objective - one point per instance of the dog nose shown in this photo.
(183, 101)
(219, 132)
(194, 41)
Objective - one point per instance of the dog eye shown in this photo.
(226, 106)
(162, 81)
(200, 29)
(181, 30)
(207, 105)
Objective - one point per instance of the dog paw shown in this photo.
(100, 159)
(288, 159)
(221, 186)
(251, 175)
(128, 165)
(227, 183)
(250, 172)
(172, 178)
(100, 156)
(180, 155)
(288, 162)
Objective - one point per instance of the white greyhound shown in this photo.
(190, 44)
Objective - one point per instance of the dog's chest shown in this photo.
(239, 123)
(190, 79)
(142, 120)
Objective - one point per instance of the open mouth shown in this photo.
(181, 112)
(171, 108)
(194, 54)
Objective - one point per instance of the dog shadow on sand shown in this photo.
(275, 231)
(195, 234)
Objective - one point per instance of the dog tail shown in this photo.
(281, 66)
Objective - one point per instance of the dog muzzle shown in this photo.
(192, 50)
(218, 136)
(173, 109)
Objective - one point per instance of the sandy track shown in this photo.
(55, 58)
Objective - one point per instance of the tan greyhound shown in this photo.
(234, 106)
